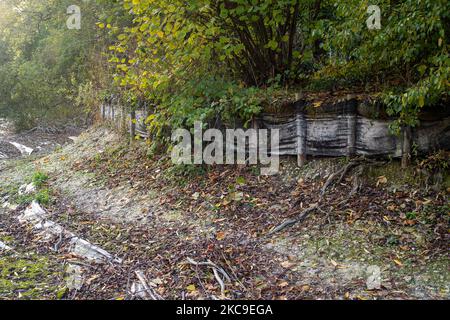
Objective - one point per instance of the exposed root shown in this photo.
(299, 218)
(341, 173)
(216, 270)
(334, 179)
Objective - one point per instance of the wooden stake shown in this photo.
(301, 138)
(406, 147)
(132, 126)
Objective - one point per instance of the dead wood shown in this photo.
(149, 291)
(299, 218)
(216, 270)
(341, 173)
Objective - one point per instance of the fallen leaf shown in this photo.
(220, 235)
(191, 288)
(397, 262)
(157, 281)
(381, 180)
(391, 207)
(287, 264)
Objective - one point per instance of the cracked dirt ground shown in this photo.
(157, 217)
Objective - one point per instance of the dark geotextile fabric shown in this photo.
(334, 129)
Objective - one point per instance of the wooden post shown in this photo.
(112, 114)
(351, 142)
(301, 138)
(132, 126)
(123, 120)
(103, 107)
(406, 147)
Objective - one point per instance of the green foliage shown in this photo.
(29, 277)
(407, 59)
(183, 173)
(46, 69)
(412, 215)
(43, 197)
(208, 60)
(217, 61)
(40, 179)
(209, 100)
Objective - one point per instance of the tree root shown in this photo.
(341, 173)
(216, 270)
(334, 179)
(291, 222)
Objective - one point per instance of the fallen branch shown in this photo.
(299, 218)
(220, 281)
(151, 293)
(211, 265)
(216, 270)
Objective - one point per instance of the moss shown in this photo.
(396, 176)
(6, 238)
(28, 277)
(60, 294)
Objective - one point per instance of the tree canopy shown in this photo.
(217, 60)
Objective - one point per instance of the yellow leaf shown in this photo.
(397, 262)
(317, 104)
(191, 288)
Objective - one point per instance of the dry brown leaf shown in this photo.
(381, 180)
(287, 264)
(220, 235)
